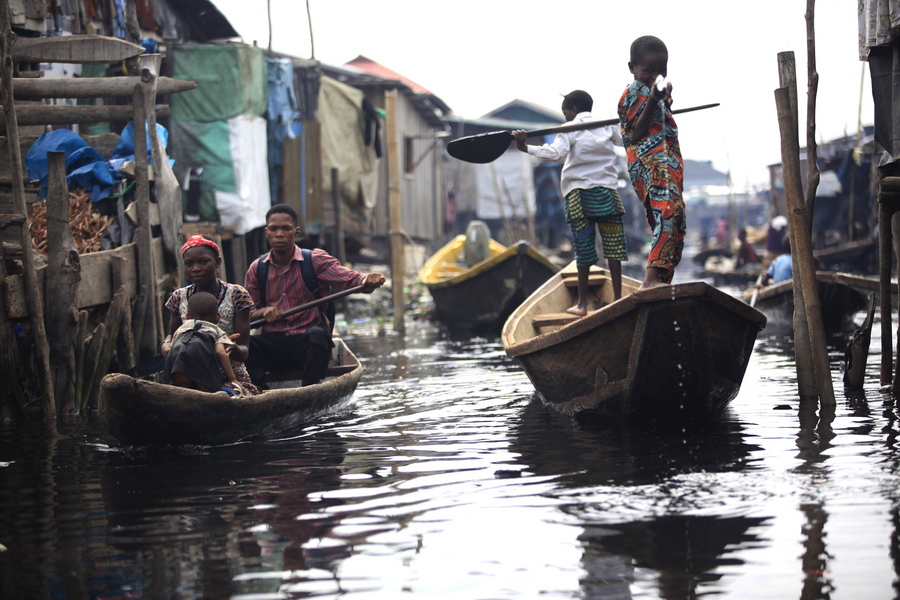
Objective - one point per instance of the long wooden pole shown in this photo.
(801, 251)
(398, 267)
(33, 291)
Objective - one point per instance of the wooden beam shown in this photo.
(92, 87)
(96, 287)
(81, 49)
(63, 114)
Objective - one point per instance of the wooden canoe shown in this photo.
(674, 349)
(840, 295)
(137, 412)
(482, 296)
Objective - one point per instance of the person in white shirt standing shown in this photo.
(589, 182)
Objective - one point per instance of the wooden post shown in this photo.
(111, 326)
(168, 192)
(885, 259)
(64, 270)
(805, 284)
(33, 291)
(143, 235)
(338, 217)
(398, 267)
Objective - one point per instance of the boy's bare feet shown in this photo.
(651, 284)
(576, 310)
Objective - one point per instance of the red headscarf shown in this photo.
(199, 240)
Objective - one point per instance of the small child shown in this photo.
(589, 183)
(196, 347)
(654, 157)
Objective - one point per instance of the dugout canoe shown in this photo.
(671, 350)
(138, 412)
(841, 297)
(480, 297)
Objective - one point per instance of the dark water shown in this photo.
(447, 479)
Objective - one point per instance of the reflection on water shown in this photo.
(447, 478)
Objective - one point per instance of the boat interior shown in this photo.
(547, 310)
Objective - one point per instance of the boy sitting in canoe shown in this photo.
(197, 346)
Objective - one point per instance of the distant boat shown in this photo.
(674, 349)
(481, 296)
(137, 412)
(840, 295)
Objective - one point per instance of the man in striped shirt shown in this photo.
(302, 341)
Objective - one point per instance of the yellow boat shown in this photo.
(481, 296)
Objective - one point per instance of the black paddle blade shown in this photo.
(482, 148)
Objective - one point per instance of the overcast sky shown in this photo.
(478, 55)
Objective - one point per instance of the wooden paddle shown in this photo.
(755, 295)
(156, 364)
(488, 147)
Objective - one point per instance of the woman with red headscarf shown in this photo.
(201, 259)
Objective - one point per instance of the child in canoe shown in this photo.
(654, 156)
(589, 181)
(198, 356)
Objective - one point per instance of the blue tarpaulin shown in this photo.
(85, 167)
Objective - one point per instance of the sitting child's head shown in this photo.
(203, 306)
(576, 102)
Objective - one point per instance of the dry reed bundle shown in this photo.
(87, 225)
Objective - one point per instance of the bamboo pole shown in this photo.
(787, 77)
(64, 270)
(33, 291)
(63, 114)
(812, 162)
(398, 268)
(801, 252)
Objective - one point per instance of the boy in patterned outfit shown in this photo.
(654, 156)
(589, 180)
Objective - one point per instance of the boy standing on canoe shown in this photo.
(197, 345)
(588, 182)
(277, 282)
(654, 156)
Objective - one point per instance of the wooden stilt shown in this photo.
(33, 291)
(398, 267)
(885, 244)
(143, 235)
(64, 270)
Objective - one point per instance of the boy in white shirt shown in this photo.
(589, 182)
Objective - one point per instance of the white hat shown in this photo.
(779, 222)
